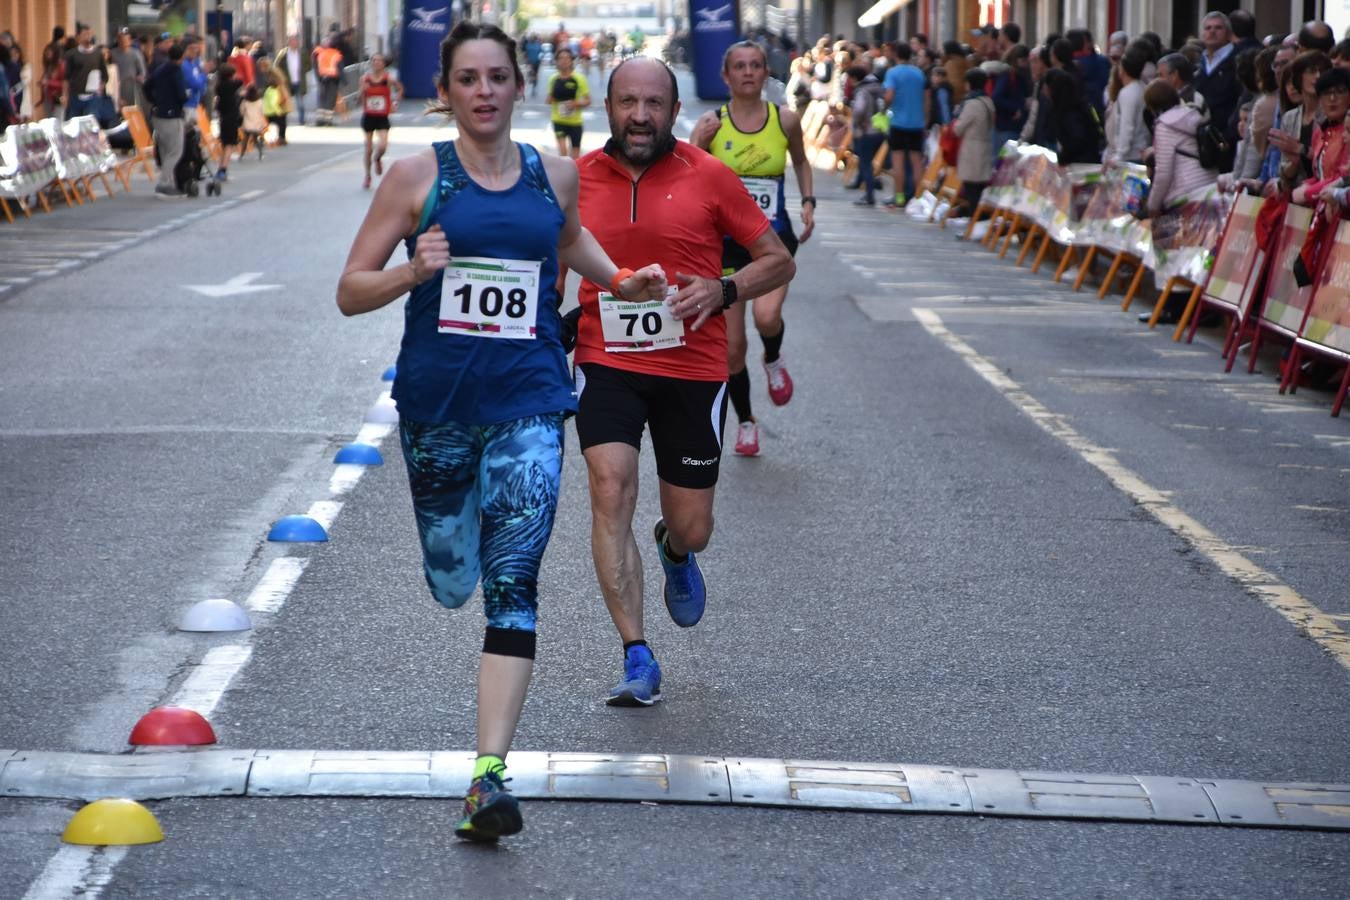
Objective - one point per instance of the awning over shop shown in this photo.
(879, 11)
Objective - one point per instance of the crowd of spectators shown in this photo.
(1226, 108)
(243, 85)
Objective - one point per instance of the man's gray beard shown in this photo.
(663, 144)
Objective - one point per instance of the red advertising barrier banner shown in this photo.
(1237, 255)
(1286, 303)
(1328, 323)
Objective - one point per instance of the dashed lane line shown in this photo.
(1307, 618)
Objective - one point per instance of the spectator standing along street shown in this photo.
(974, 125)
(1217, 79)
(131, 70)
(293, 65)
(86, 73)
(328, 64)
(166, 93)
(907, 94)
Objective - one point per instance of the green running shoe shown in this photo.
(490, 811)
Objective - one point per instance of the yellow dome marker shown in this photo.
(113, 821)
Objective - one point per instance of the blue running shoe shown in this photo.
(490, 811)
(685, 594)
(641, 685)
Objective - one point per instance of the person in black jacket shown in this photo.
(166, 92)
(1217, 79)
(1074, 122)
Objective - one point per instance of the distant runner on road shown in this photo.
(380, 96)
(756, 138)
(568, 93)
(482, 384)
(662, 366)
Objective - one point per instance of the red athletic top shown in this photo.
(675, 214)
(377, 99)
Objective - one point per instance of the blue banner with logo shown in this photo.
(425, 25)
(714, 25)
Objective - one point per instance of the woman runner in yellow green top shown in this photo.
(756, 138)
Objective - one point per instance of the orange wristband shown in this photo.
(618, 277)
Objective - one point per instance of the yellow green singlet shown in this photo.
(753, 155)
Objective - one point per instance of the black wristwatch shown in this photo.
(728, 293)
(809, 199)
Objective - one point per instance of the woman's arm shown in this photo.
(579, 251)
(792, 127)
(366, 285)
(1165, 140)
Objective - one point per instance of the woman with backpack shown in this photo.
(974, 125)
(1177, 171)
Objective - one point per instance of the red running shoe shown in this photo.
(780, 382)
(747, 439)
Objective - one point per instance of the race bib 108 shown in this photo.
(491, 298)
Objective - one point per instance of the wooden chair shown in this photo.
(144, 154)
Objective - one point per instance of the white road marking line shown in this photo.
(276, 584)
(324, 512)
(373, 433)
(76, 871)
(251, 194)
(329, 161)
(344, 478)
(1298, 611)
(211, 677)
(1308, 508)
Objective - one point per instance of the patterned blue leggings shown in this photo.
(484, 497)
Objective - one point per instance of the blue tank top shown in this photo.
(448, 377)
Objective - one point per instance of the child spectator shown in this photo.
(254, 120)
(275, 102)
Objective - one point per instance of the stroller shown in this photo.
(193, 167)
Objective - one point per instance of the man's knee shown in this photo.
(690, 532)
(613, 488)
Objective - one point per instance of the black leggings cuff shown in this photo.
(509, 642)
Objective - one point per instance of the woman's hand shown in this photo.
(647, 283)
(431, 254)
(1287, 143)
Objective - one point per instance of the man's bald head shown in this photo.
(644, 66)
(1316, 36)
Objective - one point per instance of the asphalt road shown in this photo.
(913, 571)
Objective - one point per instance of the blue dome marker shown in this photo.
(360, 455)
(389, 373)
(297, 529)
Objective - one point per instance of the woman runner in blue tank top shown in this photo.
(482, 383)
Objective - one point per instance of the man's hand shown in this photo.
(698, 298)
(432, 253)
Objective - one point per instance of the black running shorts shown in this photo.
(906, 139)
(571, 132)
(371, 123)
(685, 419)
(735, 257)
